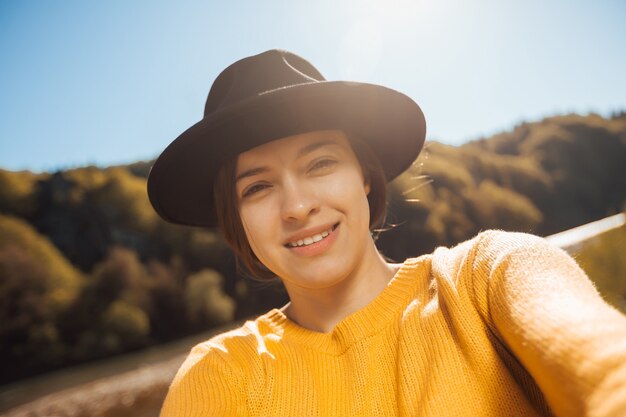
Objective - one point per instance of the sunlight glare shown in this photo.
(360, 49)
(376, 25)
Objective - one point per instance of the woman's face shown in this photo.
(303, 205)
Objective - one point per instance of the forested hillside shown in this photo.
(88, 270)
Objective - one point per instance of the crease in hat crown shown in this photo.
(265, 97)
(240, 80)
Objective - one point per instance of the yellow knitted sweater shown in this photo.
(501, 325)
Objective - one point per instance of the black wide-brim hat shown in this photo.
(269, 96)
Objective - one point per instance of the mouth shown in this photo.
(309, 240)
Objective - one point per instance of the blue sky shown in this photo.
(86, 82)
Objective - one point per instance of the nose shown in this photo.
(298, 201)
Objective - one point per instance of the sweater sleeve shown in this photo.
(548, 313)
(205, 386)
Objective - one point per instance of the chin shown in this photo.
(321, 276)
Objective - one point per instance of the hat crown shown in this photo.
(255, 75)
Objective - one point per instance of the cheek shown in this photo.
(351, 192)
(258, 229)
(250, 226)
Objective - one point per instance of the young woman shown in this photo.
(292, 168)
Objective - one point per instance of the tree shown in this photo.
(206, 303)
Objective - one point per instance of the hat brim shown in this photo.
(180, 183)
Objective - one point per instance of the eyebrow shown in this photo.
(251, 173)
(315, 145)
(301, 152)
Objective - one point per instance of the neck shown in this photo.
(321, 309)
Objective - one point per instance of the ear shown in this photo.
(367, 187)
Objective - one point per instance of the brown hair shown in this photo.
(229, 221)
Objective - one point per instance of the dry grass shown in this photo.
(137, 393)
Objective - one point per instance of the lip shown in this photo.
(316, 248)
(304, 233)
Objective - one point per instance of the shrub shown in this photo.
(127, 322)
(604, 261)
(206, 303)
(61, 280)
(17, 193)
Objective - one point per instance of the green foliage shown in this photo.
(88, 178)
(205, 299)
(59, 280)
(140, 168)
(541, 177)
(127, 323)
(103, 207)
(583, 160)
(168, 313)
(120, 275)
(25, 306)
(442, 164)
(17, 193)
(124, 201)
(453, 193)
(603, 260)
(36, 285)
(496, 207)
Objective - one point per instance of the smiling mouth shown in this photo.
(312, 239)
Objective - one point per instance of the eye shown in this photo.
(322, 163)
(254, 189)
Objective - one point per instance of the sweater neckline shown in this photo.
(365, 322)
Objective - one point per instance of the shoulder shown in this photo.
(491, 247)
(507, 270)
(214, 377)
(497, 251)
(494, 261)
(503, 242)
(235, 349)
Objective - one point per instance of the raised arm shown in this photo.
(547, 311)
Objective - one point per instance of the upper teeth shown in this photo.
(310, 239)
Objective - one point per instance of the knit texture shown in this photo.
(502, 325)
